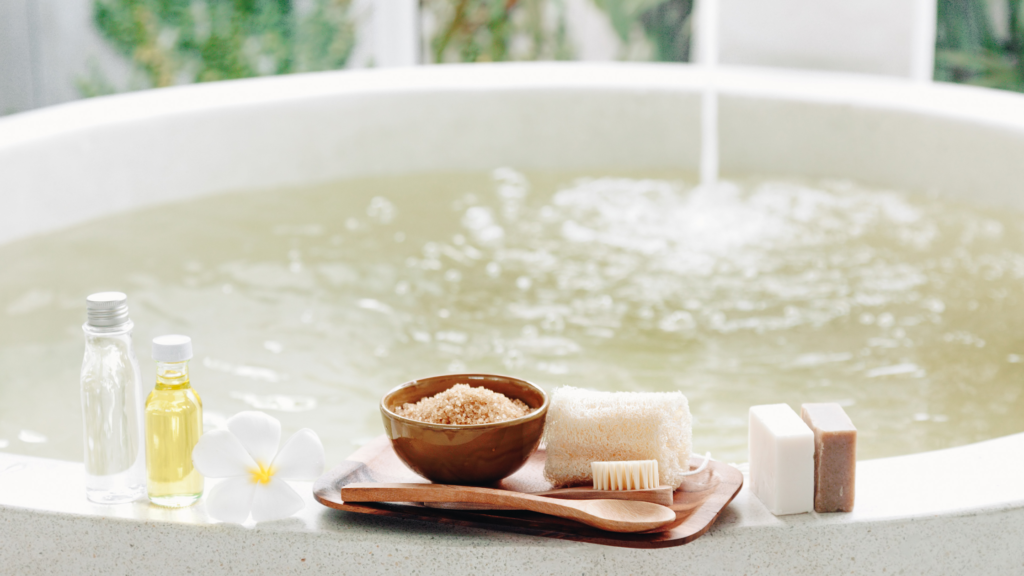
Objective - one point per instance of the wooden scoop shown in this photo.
(611, 515)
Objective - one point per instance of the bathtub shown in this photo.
(955, 511)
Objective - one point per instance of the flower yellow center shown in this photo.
(262, 475)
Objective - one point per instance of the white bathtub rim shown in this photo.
(973, 104)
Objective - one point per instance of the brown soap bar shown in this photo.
(835, 456)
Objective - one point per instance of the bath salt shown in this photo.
(835, 456)
(465, 405)
(781, 459)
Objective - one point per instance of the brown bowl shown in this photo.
(470, 454)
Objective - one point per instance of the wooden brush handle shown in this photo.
(372, 492)
(660, 495)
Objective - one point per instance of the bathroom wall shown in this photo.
(50, 52)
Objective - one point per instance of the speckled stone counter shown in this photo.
(957, 511)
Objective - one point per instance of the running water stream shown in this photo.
(708, 54)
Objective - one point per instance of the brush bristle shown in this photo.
(630, 475)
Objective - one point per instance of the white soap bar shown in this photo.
(781, 459)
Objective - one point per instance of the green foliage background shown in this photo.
(183, 41)
(967, 50)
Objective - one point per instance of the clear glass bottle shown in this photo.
(111, 388)
(174, 423)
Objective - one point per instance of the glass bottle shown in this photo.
(111, 389)
(174, 423)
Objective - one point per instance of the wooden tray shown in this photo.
(697, 503)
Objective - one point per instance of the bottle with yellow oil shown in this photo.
(174, 423)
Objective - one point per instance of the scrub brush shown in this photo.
(632, 474)
(629, 475)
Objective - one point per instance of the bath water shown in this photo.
(311, 303)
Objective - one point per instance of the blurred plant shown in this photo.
(182, 41)
(968, 50)
(668, 26)
(664, 24)
(94, 83)
(497, 30)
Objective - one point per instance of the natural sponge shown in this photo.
(585, 426)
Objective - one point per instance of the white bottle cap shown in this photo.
(172, 348)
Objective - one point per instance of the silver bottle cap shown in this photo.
(106, 309)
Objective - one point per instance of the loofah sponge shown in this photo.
(585, 426)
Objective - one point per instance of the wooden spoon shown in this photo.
(611, 515)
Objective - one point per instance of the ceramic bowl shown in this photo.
(470, 454)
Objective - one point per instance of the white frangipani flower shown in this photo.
(246, 455)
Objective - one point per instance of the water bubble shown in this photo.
(867, 318)
(444, 313)
(30, 437)
(513, 359)
(402, 287)
(452, 275)
(493, 269)
(885, 320)
(477, 218)
(373, 304)
(453, 336)
(512, 184)
(678, 321)
(553, 367)
(352, 224)
(480, 222)
(432, 250)
(381, 210)
(553, 323)
(530, 331)
(524, 283)
(273, 346)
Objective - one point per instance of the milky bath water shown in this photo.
(313, 302)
